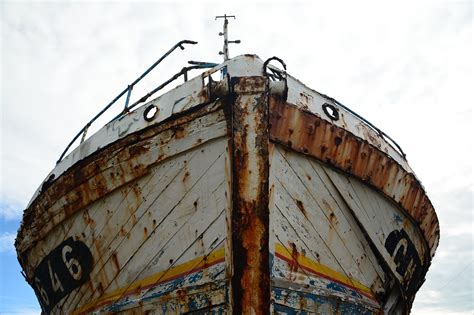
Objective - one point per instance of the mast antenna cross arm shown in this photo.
(225, 50)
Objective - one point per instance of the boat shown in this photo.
(239, 191)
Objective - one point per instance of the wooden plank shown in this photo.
(322, 219)
(290, 228)
(318, 276)
(164, 145)
(307, 133)
(205, 242)
(399, 241)
(113, 211)
(115, 215)
(337, 214)
(97, 177)
(164, 203)
(288, 301)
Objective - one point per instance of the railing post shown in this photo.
(129, 92)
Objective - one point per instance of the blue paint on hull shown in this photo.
(288, 301)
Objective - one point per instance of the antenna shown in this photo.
(225, 50)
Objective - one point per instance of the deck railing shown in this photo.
(128, 90)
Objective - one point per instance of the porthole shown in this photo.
(331, 111)
(150, 112)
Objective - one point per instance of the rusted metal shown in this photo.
(265, 67)
(128, 90)
(184, 72)
(192, 130)
(250, 215)
(225, 49)
(307, 133)
(245, 194)
(98, 175)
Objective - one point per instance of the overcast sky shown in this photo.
(406, 67)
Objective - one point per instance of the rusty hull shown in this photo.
(250, 214)
(98, 175)
(307, 133)
(252, 118)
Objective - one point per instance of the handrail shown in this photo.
(183, 72)
(127, 90)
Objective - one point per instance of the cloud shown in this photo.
(10, 210)
(439, 311)
(405, 67)
(22, 311)
(7, 241)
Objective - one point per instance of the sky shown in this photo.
(405, 66)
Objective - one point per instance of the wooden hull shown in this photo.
(329, 233)
(228, 207)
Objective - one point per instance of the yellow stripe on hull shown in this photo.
(178, 271)
(321, 270)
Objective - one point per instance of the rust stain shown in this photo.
(203, 94)
(294, 258)
(333, 219)
(122, 231)
(99, 174)
(337, 147)
(115, 261)
(250, 215)
(327, 206)
(137, 193)
(301, 207)
(186, 176)
(179, 132)
(181, 295)
(87, 219)
(303, 303)
(137, 150)
(100, 288)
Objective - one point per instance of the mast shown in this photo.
(225, 50)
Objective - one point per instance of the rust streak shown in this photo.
(294, 257)
(301, 207)
(250, 215)
(99, 174)
(339, 148)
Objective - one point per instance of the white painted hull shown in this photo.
(326, 225)
(227, 208)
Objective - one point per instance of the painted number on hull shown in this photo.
(406, 258)
(65, 268)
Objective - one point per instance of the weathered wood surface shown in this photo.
(396, 237)
(330, 229)
(312, 223)
(308, 133)
(257, 202)
(161, 220)
(190, 205)
(117, 165)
